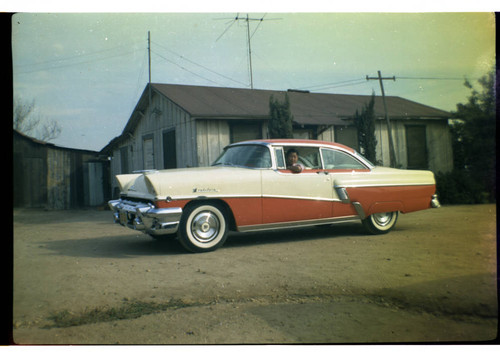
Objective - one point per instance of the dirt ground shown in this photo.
(432, 279)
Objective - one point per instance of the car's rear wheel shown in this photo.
(203, 227)
(381, 223)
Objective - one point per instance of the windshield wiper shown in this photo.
(224, 163)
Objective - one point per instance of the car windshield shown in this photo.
(253, 156)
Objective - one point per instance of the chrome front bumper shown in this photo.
(145, 217)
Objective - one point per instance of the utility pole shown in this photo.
(149, 67)
(392, 153)
(249, 52)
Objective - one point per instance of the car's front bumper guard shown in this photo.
(145, 217)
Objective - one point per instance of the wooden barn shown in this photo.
(176, 126)
(52, 177)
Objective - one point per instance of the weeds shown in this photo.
(129, 310)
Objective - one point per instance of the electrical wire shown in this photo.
(434, 78)
(75, 63)
(71, 57)
(199, 65)
(185, 69)
(340, 86)
(332, 84)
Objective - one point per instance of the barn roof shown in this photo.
(307, 108)
(202, 102)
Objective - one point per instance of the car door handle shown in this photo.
(322, 172)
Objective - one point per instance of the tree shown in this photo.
(28, 121)
(280, 124)
(365, 123)
(474, 136)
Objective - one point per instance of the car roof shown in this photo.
(296, 142)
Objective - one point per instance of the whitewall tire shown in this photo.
(203, 227)
(381, 223)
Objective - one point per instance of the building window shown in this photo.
(124, 160)
(347, 135)
(416, 147)
(169, 150)
(244, 131)
(148, 152)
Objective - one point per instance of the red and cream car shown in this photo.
(251, 188)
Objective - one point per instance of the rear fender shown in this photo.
(385, 207)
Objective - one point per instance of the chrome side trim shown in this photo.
(299, 198)
(359, 210)
(295, 224)
(342, 192)
(223, 196)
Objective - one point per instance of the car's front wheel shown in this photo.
(203, 227)
(380, 223)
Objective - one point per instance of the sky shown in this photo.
(87, 70)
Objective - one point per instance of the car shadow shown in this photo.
(121, 246)
(138, 245)
(237, 239)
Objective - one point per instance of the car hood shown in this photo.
(189, 182)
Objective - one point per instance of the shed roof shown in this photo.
(307, 108)
(19, 135)
(202, 102)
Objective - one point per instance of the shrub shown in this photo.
(461, 187)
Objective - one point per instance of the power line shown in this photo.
(332, 83)
(435, 78)
(199, 65)
(76, 63)
(185, 69)
(326, 86)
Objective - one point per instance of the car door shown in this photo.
(295, 197)
(341, 165)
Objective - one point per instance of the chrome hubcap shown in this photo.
(382, 219)
(205, 226)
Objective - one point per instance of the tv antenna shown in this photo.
(247, 19)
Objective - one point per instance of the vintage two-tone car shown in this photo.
(250, 187)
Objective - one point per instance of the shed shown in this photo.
(53, 177)
(175, 126)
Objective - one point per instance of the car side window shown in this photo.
(308, 157)
(280, 158)
(339, 160)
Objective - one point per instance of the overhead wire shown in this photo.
(434, 78)
(197, 64)
(333, 84)
(185, 69)
(72, 57)
(70, 64)
(359, 81)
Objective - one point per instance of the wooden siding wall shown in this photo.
(440, 154)
(50, 177)
(161, 116)
(30, 173)
(327, 135)
(212, 137)
(58, 179)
